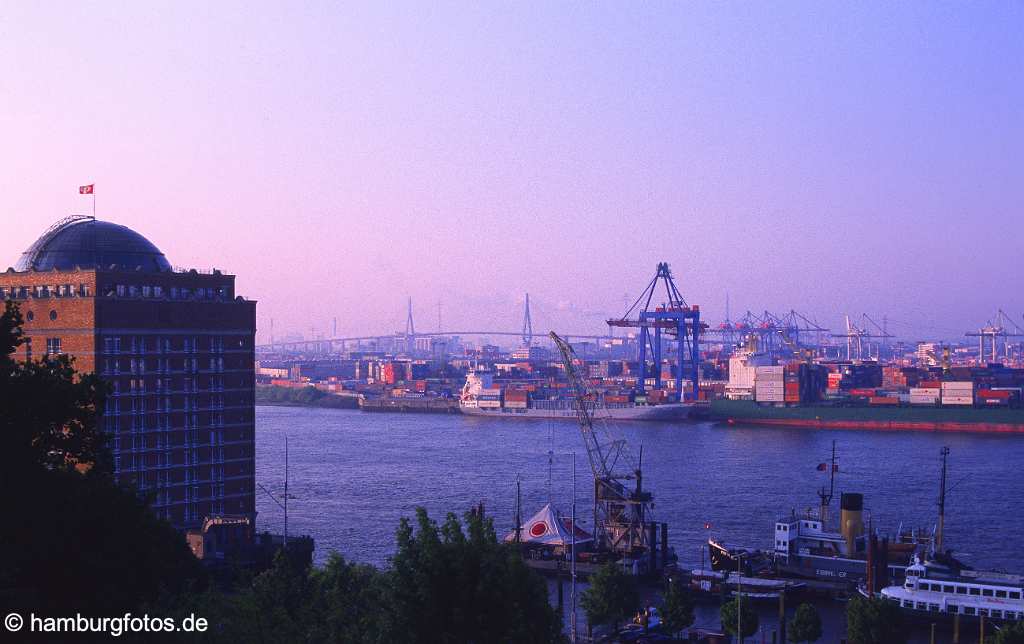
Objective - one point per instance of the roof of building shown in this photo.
(87, 243)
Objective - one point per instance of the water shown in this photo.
(354, 475)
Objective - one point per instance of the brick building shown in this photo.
(177, 348)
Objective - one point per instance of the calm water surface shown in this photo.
(354, 474)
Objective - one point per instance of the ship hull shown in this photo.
(672, 411)
(933, 419)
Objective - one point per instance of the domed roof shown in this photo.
(87, 243)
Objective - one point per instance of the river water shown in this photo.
(353, 475)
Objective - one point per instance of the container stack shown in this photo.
(926, 395)
(489, 398)
(516, 399)
(958, 393)
(769, 385)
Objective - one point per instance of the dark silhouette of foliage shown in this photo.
(874, 621)
(72, 541)
(611, 598)
(805, 625)
(676, 607)
(749, 622)
(1012, 633)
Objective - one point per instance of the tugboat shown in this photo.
(807, 548)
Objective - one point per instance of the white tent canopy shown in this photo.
(549, 528)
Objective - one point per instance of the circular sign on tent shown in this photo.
(538, 529)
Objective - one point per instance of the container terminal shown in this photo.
(667, 364)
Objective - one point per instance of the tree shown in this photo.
(676, 607)
(1010, 634)
(76, 542)
(611, 598)
(456, 583)
(49, 410)
(805, 625)
(728, 616)
(874, 621)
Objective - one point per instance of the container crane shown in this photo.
(673, 317)
(622, 507)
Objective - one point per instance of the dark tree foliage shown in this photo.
(458, 584)
(874, 621)
(1012, 633)
(805, 625)
(748, 623)
(676, 607)
(611, 598)
(71, 540)
(49, 411)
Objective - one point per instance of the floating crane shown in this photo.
(622, 507)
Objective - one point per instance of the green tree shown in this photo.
(1010, 634)
(805, 625)
(456, 583)
(728, 614)
(676, 607)
(75, 541)
(350, 602)
(611, 598)
(874, 621)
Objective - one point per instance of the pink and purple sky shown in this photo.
(827, 157)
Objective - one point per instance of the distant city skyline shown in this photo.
(831, 159)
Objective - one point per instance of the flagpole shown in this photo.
(94, 201)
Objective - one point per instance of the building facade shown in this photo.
(175, 346)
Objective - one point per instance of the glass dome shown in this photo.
(87, 243)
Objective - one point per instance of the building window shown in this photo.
(120, 290)
(53, 346)
(53, 315)
(30, 316)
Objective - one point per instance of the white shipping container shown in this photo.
(925, 391)
(958, 386)
(488, 404)
(957, 400)
(515, 404)
(923, 400)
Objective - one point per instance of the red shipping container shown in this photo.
(883, 400)
(863, 392)
(996, 395)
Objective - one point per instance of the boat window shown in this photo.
(1014, 594)
(933, 607)
(961, 590)
(968, 610)
(947, 589)
(1001, 594)
(975, 591)
(906, 603)
(998, 614)
(952, 608)
(983, 612)
(921, 606)
(986, 592)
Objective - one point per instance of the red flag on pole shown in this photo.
(823, 467)
(86, 190)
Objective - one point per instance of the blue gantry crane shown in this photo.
(672, 319)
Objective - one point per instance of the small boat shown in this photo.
(718, 583)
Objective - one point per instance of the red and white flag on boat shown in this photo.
(86, 190)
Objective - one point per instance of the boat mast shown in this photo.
(942, 502)
(826, 499)
(519, 514)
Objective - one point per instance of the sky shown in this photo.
(832, 158)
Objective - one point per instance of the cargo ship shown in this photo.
(480, 397)
(989, 419)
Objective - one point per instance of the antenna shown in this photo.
(826, 499)
(942, 502)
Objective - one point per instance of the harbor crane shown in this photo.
(621, 506)
(673, 318)
(1001, 327)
